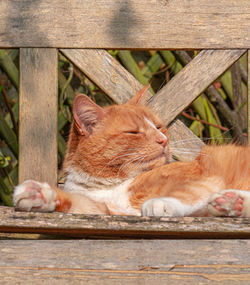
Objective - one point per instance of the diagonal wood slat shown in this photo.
(112, 24)
(106, 72)
(248, 98)
(182, 138)
(120, 85)
(191, 81)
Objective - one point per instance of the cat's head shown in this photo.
(117, 141)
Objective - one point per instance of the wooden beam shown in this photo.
(38, 115)
(184, 87)
(125, 261)
(184, 145)
(161, 24)
(122, 226)
(191, 81)
(248, 99)
(120, 86)
(106, 72)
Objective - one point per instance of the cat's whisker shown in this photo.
(182, 152)
(179, 142)
(183, 141)
(203, 139)
(108, 164)
(188, 152)
(130, 161)
(185, 148)
(127, 163)
(120, 156)
(144, 156)
(139, 164)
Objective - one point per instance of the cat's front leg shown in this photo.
(41, 197)
(230, 203)
(168, 207)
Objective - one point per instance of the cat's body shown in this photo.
(118, 163)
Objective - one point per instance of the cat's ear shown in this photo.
(138, 98)
(86, 114)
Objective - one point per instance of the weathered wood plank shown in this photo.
(195, 275)
(120, 85)
(122, 226)
(185, 146)
(248, 98)
(198, 24)
(191, 81)
(38, 115)
(124, 254)
(125, 262)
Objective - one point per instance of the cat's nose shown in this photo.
(162, 141)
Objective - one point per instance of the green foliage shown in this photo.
(203, 116)
(4, 160)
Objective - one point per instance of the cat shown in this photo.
(118, 163)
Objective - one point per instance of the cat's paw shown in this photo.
(164, 206)
(230, 203)
(34, 196)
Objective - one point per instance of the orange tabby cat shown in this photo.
(117, 163)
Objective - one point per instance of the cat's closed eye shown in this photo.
(132, 132)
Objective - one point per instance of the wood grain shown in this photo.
(106, 72)
(125, 261)
(194, 276)
(122, 226)
(184, 145)
(38, 115)
(120, 85)
(248, 99)
(195, 24)
(191, 81)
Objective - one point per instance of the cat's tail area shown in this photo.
(33, 196)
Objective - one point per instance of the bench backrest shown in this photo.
(81, 30)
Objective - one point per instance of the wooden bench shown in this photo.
(118, 250)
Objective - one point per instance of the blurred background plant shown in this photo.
(217, 116)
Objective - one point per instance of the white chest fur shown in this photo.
(113, 192)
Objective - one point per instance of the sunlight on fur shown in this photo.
(118, 162)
